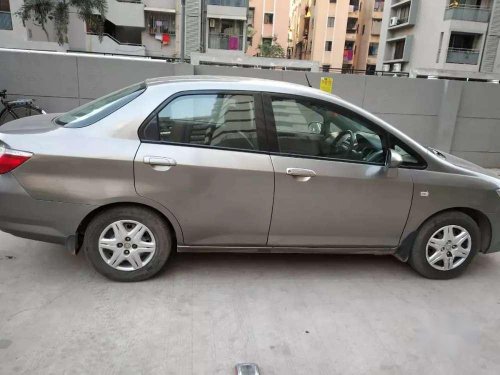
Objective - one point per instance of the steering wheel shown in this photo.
(344, 143)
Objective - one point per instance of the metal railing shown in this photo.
(462, 56)
(116, 40)
(5, 21)
(225, 42)
(367, 72)
(467, 13)
(229, 3)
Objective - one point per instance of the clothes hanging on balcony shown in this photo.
(234, 43)
(165, 40)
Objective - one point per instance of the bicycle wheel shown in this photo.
(26, 110)
(6, 116)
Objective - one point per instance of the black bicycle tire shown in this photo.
(6, 110)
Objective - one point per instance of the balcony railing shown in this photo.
(229, 3)
(467, 13)
(462, 56)
(5, 21)
(225, 42)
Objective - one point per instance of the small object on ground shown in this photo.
(247, 369)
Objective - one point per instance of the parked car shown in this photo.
(239, 165)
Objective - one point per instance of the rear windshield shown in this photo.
(97, 109)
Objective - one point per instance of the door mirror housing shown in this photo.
(394, 159)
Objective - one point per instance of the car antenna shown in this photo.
(307, 79)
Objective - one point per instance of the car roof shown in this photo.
(243, 83)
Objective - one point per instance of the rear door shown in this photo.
(332, 188)
(204, 158)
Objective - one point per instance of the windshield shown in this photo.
(97, 109)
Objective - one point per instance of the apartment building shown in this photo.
(268, 22)
(339, 34)
(457, 39)
(138, 27)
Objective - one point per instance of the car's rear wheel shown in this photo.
(445, 245)
(128, 243)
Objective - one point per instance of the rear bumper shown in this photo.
(47, 221)
(495, 233)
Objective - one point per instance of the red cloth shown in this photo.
(165, 39)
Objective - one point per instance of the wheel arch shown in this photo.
(482, 221)
(173, 225)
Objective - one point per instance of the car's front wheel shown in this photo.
(128, 243)
(445, 245)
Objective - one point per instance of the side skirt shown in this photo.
(285, 250)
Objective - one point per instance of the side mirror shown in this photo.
(394, 159)
(315, 127)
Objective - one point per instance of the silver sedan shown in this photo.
(239, 165)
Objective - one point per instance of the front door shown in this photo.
(332, 188)
(202, 160)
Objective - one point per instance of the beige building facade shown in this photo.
(339, 34)
(267, 19)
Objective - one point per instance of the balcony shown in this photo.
(229, 3)
(126, 13)
(462, 56)
(467, 13)
(110, 45)
(5, 21)
(225, 42)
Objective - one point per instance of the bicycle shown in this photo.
(15, 109)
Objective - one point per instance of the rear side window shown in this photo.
(98, 109)
(216, 120)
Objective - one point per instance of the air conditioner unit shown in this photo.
(386, 67)
(396, 68)
(393, 21)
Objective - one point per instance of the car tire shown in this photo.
(105, 234)
(437, 243)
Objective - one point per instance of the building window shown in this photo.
(251, 15)
(160, 23)
(373, 49)
(399, 49)
(363, 32)
(268, 18)
(404, 14)
(333, 1)
(5, 15)
(331, 21)
(328, 45)
(267, 41)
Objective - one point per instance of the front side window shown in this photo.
(98, 109)
(317, 129)
(217, 120)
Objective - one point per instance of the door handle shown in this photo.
(299, 172)
(159, 161)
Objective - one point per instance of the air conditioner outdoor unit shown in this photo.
(386, 67)
(393, 21)
(396, 68)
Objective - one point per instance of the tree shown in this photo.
(41, 11)
(273, 49)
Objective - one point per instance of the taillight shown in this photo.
(11, 159)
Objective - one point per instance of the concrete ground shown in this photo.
(291, 314)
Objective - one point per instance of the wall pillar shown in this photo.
(450, 106)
